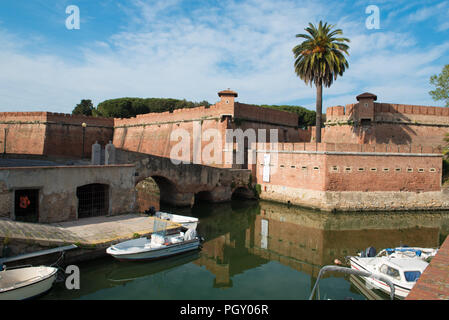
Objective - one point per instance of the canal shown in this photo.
(258, 250)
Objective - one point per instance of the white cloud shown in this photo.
(244, 46)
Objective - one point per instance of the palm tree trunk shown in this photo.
(319, 107)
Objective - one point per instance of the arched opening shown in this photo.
(167, 189)
(242, 193)
(148, 195)
(93, 200)
(203, 196)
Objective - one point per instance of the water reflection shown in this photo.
(259, 250)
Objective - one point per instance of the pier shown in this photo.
(91, 235)
(434, 282)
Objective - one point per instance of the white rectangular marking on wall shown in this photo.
(266, 168)
(264, 233)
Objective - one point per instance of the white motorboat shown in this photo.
(185, 221)
(409, 252)
(158, 246)
(26, 282)
(402, 271)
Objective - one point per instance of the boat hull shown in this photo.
(167, 251)
(30, 290)
(399, 290)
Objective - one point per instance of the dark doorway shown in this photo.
(93, 200)
(26, 205)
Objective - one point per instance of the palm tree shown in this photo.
(319, 59)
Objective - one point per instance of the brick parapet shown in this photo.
(399, 113)
(178, 115)
(346, 147)
(50, 117)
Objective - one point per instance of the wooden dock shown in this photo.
(434, 282)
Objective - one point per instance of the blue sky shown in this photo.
(193, 49)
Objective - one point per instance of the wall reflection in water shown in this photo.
(258, 250)
(242, 236)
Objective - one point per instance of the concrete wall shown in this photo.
(57, 188)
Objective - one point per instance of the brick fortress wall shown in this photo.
(350, 167)
(52, 134)
(388, 123)
(150, 133)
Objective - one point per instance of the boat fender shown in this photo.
(370, 252)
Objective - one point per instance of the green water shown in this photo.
(258, 250)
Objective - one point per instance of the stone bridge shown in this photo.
(183, 184)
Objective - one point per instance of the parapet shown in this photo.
(345, 148)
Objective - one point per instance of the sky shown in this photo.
(193, 49)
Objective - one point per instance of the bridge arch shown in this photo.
(240, 193)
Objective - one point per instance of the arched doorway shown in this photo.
(242, 193)
(203, 196)
(93, 200)
(148, 195)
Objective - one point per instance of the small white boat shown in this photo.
(409, 252)
(185, 221)
(27, 282)
(402, 271)
(158, 246)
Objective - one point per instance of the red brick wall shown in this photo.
(386, 133)
(25, 132)
(52, 134)
(352, 169)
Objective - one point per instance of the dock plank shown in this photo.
(434, 282)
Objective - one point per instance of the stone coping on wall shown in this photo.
(44, 117)
(355, 153)
(345, 148)
(72, 167)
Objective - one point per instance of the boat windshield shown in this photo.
(412, 276)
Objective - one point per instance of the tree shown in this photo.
(130, 107)
(319, 59)
(441, 82)
(84, 107)
(305, 117)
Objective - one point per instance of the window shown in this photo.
(433, 170)
(409, 169)
(361, 169)
(390, 271)
(348, 169)
(293, 167)
(334, 169)
(365, 122)
(420, 170)
(304, 168)
(386, 169)
(412, 276)
(397, 169)
(26, 205)
(316, 168)
(373, 169)
(93, 200)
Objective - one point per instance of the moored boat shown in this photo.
(185, 221)
(156, 247)
(26, 282)
(402, 271)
